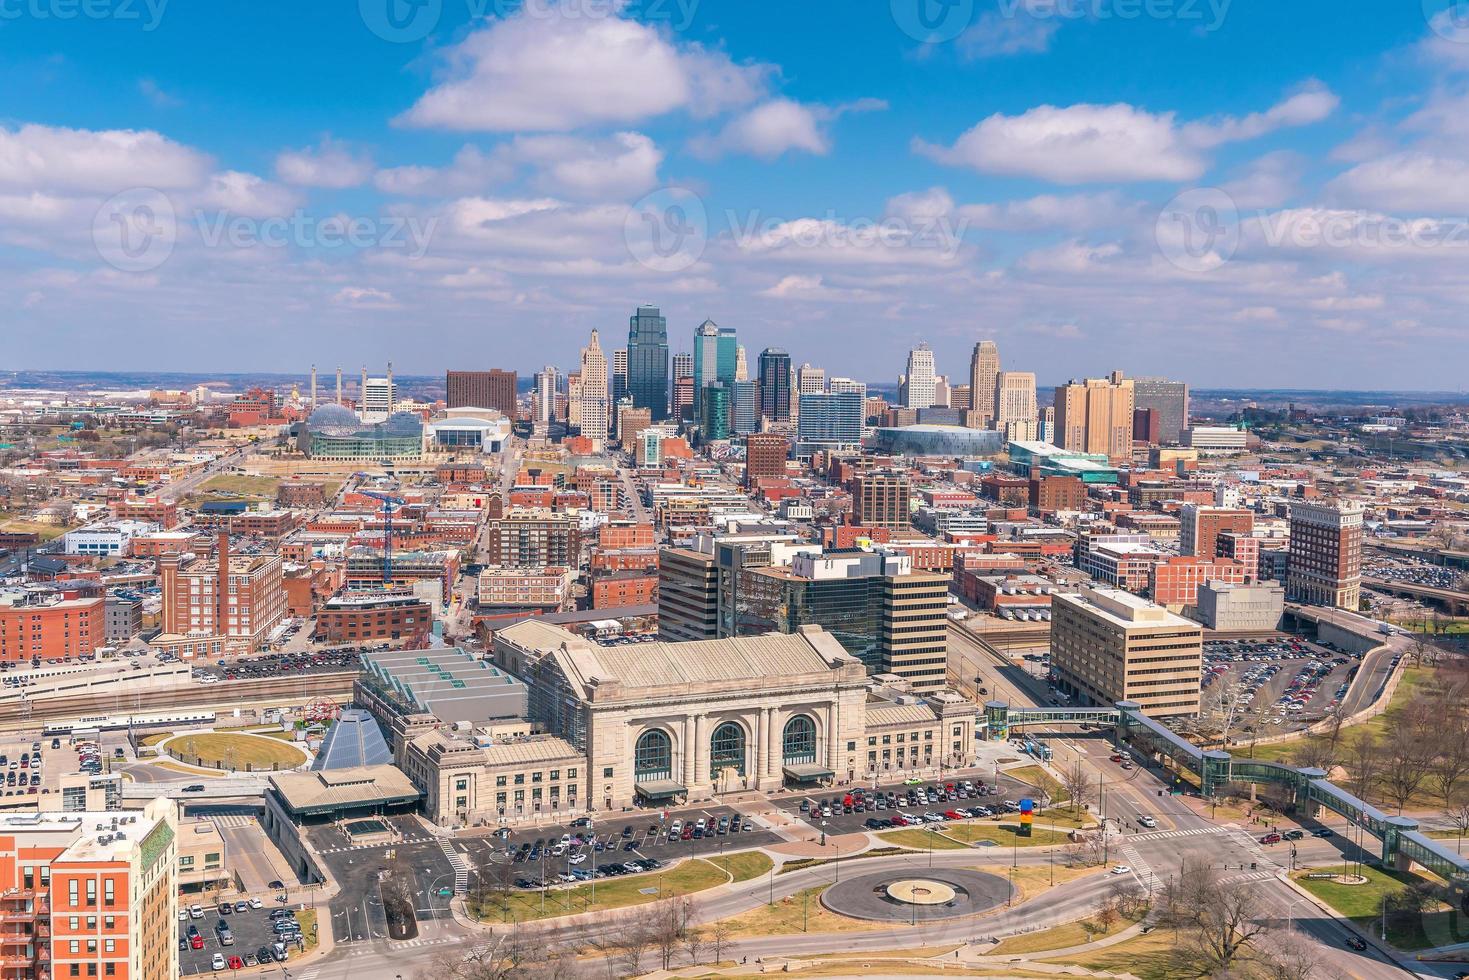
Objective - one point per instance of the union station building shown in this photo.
(614, 727)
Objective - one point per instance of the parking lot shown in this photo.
(249, 933)
(845, 813)
(279, 664)
(1396, 569)
(1286, 682)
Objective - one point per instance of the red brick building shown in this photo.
(1201, 526)
(624, 534)
(1174, 582)
(627, 588)
(52, 629)
(1053, 493)
(355, 616)
(765, 456)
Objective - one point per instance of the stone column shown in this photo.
(701, 750)
(773, 759)
(688, 752)
(833, 743)
(759, 748)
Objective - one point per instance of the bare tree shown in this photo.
(666, 928)
(1078, 785)
(1220, 922)
(1459, 813)
(1363, 759)
(508, 958)
(720, 934)
(1288, 956)
(694, 944)
(1411, 747)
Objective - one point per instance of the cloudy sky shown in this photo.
(1242, 194)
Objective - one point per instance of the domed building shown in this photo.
(335, 432)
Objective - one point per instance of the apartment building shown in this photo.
(547, 588)
(50, 627)
(90, 894)
(1174, 583)
(881, 500)
(1109, 646)
(241, 598)
(356, 616)
(534, 537)
(1200, 527)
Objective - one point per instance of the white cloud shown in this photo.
(778, 126)
(622, 165)
(365, 297)
(156, 95)
(1411, 181)
(331, 163)
(996, 35)
(1086, 143)
(1073, 212)
(36, 157)
(247, 194)
(558, 72)
(470, 171)
(1267, 182)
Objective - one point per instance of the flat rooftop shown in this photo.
(447, 683)
(1124, 610)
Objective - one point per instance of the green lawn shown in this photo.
(1042, 781)
(1061, 937)
(1414, 679)
(922, 839)
(1006, 835)
(236, 751)
(616, 893)
(746, 865)
(1363, 905)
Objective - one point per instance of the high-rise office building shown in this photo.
(647, 361)
(831, 420)
(683, 398)
(594, 411)
(744, 407)
(716, 412)
(1095, 416)
(961, 397)
(1015, 411)
(1108, 646)
(839, 385)
(775, 384)
(379, 396)
(715, 359)
(765, 456)
(1325, 566)
(543, 411)
(619, 375)
(918, 382)
(811, 380)
(1168, 400)
(882, 500)
(683, 364)
(482, 389)
(742, 364)
(984, 368)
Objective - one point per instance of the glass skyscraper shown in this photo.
(832, 419)
(716, 358)
(746, 408)
(647, 361)
(716, 413)
(775, 384)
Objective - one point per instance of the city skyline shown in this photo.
(469, 213)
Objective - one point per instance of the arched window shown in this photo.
(727, 748)
(798, 742)
(653, 756)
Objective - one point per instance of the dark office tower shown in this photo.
(775, 384)
(647, 361)
(1168, 400)
(482, 389)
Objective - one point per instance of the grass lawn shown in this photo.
(922, 839)
(1362, 904)
(259, 487)
(1063, 816)
(1061, 937)
(307, 918)
(617, 893)
(1150, 957)
(1414, 678)
(175, 767)
(1006, 835)
(236, 751)
(1041, 780)
(1032, 880)
(743, 867)
(45, 532)
(789, 915)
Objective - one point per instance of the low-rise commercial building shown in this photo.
(352, 617)
(46, 626)
(1234, 608)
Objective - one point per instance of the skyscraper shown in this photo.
(619, 375)
(544, 409)
(715, 417)
(831, 420)
(594, 412)
(984, 368)
(1168, 399)
(1095, 416)
(742, 364)
(1015, 413)
(683, 365)
(811, 380)
(744, 407)
(775, 384)
(647, 360)
(918, 382)
(1325, 567)
(716, 357)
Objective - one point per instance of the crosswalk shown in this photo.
(368, 847)
(1145, 875)
(234, 821)
(461, 870)
(1171, 834)
(1248, 876)
(417, 943)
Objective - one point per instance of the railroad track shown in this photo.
(221, 697)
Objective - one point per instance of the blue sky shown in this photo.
(1239, 193)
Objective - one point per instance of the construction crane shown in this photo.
(390, 503)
